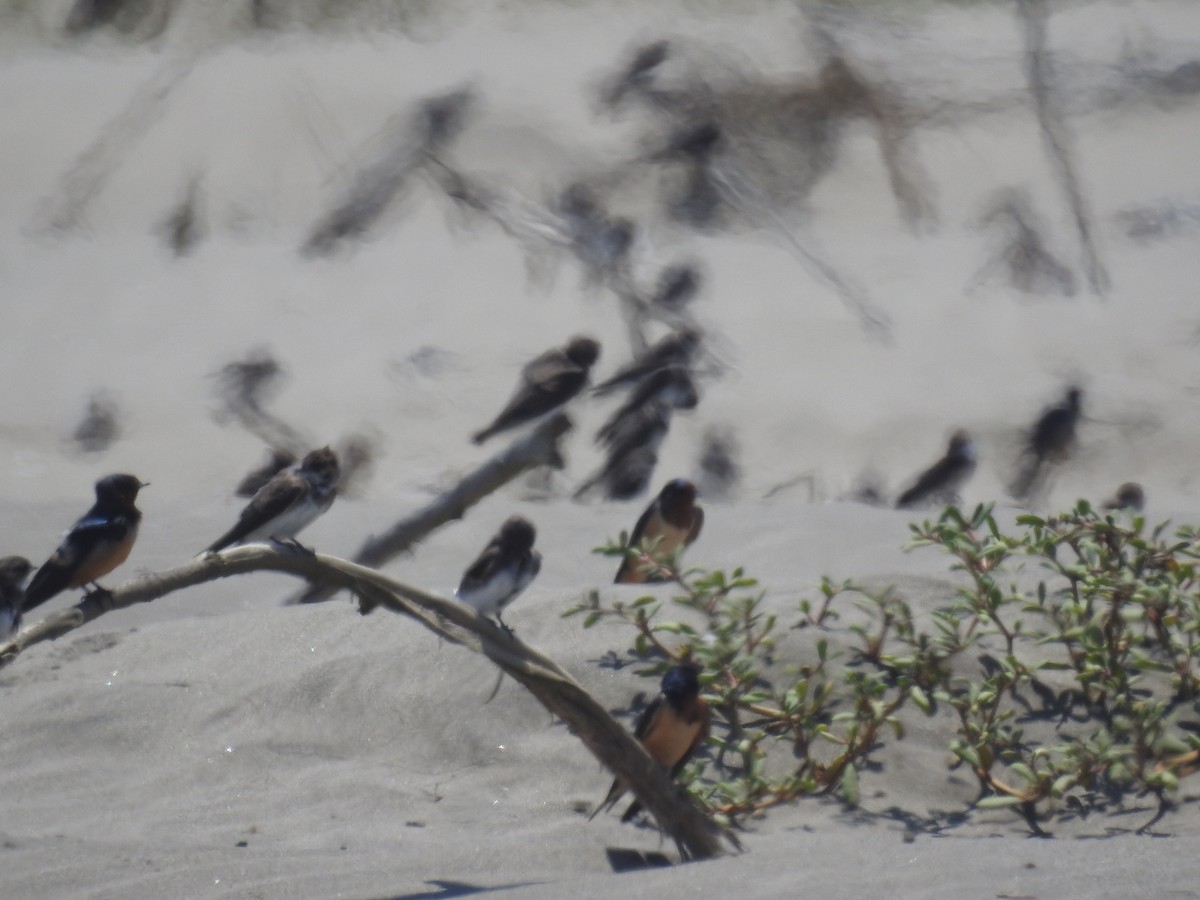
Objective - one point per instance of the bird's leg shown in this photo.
(505, 627)
(290, 543)
(98, 591)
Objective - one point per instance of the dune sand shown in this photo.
(217, 743)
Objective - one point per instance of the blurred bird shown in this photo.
(941, 482)
(286, 504)
(95, 545)
(547, 382)
(1050, 442)
(277, 461)
(98, 428)
(506, 567)
(675, 349)
(671, 386)
(668, 525)
(1129, 496)
(14, 570)
(671, 728)
(633, 442)
(677, 285)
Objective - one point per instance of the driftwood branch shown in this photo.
(696, 835)
(538, 448)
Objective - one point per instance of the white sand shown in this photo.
(352, 755)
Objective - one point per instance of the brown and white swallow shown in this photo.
(670, 523)
(14, 571)
(671, 728)
(1129, 496)
(286, 504)
(506, 567)
(675, 349)
(95, 545)
(547, 382)
(941, 482)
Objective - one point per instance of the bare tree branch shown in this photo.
(695, 834)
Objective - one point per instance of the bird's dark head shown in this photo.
(1074, 398)
(681, 683)
(678, 491)
(583, 351)
(119, 488)
(15, 569)
(517, 534)
(961, 445)
(1131, 496)
(322, 464)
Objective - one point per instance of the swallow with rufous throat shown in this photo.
(547, 382)
(506, 567)
(668, 525)
(671, 728)
(95, 545)
(286, 504)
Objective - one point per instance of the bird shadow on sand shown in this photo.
(443, 889)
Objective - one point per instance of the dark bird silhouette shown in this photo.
(98, 428)
(1129, 496)
(670, 523)
(277, 461)
(14, 570)
(941, 482)
(286, 504)
(506, 567)
(95, 545)
(675, 349)
(547, 383)
(671, 728)
(671, 386)
(1050, 442)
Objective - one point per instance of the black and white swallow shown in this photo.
(506, 567)
(670, 523)
(95, 545)
(675, 349)
(14, 572)
(547, 382)
(941, 482)
(286, 504)
(671, 728)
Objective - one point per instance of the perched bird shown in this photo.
(547, 382)
(1050, 441)
(669, 524)
(942, 481)
(505, 568)
(286, 504)
(675, 349)
(671, 728)
(95, 545)
(1129, 496)
(13, 572)
(277, 461)
(671, 386)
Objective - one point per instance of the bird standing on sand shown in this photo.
(671, 728)
(286, 504)
(95, 545)
(668, 525)
(1129, 496)
(13, 572)
(547, 382)
(1050, 441)
(941, 481)
(506, 567)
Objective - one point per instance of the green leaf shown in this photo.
(998, 801)
(850, 784)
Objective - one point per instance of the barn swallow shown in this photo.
(505, 568)
(547, 382)
(675, 349)
(276, 463)
(671, 523)
(1051, 440)
(941, 481)
(95, 545)
(671, 728)
(671, 386)
(1129, 496)
(13, 572)
(287, 503)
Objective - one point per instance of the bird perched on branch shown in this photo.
(286, 504)
(95, 545)
(669, 524)
(13, 572)
(547, 382)
(671, 728)
(942, 481)
(506, 567)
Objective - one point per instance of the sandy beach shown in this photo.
(217, 743)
